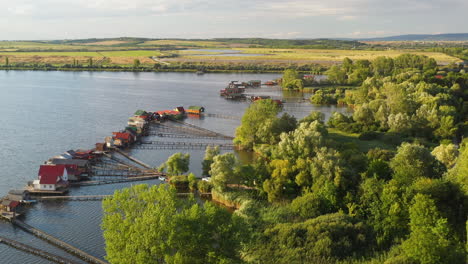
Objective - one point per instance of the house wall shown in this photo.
(47, 187)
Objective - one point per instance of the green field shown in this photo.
(318, 55)
(123, 52)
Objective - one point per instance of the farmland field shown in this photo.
(318, 55)
(123, 51)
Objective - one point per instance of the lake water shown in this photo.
(46, 113)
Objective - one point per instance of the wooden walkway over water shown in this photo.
(207, 131)
(58, 243)
(73, 198)
(176, 135)
(115, 181)
(141, 163)
(222, 116)
(181, 145)
(35, 251)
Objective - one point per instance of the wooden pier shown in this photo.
(35, 251)
(203, 129)
(57, 242)
(180, 145)
(129, 179)
(122, 162)
(175, 135)
(223, 116)
(141, 163)
(73, 198)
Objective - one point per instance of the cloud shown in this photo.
(342, 10)
(347, 18)
(285, 35)
(366, 34)
(271, 18)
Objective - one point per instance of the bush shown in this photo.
(204, 186)
(192, 182)
(179, 182)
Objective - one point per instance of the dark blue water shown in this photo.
(46, 113)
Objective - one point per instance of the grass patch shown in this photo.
(326, 55)
(363, 145)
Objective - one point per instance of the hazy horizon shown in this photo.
(81, 19)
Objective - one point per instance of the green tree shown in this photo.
(336, 74)
(311, 205)
(152, 225)
(223, 170)
(446, 153)
(277, 186)
(364, 115)
(7, 61)
(347, 65)
(210, 153)
(90, 62)
(136, 63)
(259, 114)
(414, 161)
(178, 163)
(430, 240)
(292, 80)
(324, 239)
(382, 66)
(192, 179)
(459, 172)
(447, 128)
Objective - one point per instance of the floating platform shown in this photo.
(41, 192)
(9, 215)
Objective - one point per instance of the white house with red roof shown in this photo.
(51, 178)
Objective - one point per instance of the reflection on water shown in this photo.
(47, 113)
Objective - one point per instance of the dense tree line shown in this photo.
(308, 198)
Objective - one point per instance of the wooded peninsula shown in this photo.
(385, 184)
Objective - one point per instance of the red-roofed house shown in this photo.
(51, 177)
(122, 139)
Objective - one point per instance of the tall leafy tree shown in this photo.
(210, 153)
(430, 240)
(223, 170)
(178, 163)
(259, 114)
(152, 225)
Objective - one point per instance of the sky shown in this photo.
(74, 19)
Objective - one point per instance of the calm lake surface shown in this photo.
(46, 113)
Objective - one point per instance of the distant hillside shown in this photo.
(423, 37)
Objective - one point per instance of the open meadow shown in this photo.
(124, 51)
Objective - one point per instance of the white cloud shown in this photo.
(164, 18)
(347, 18)
(366, 34)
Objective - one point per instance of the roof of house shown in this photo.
(49, 174)
(18, 192)
(196, 107)
(168, 112)
(140, 113)
(179, 109)
(77, 162)
(122, 135)
(10, 203)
